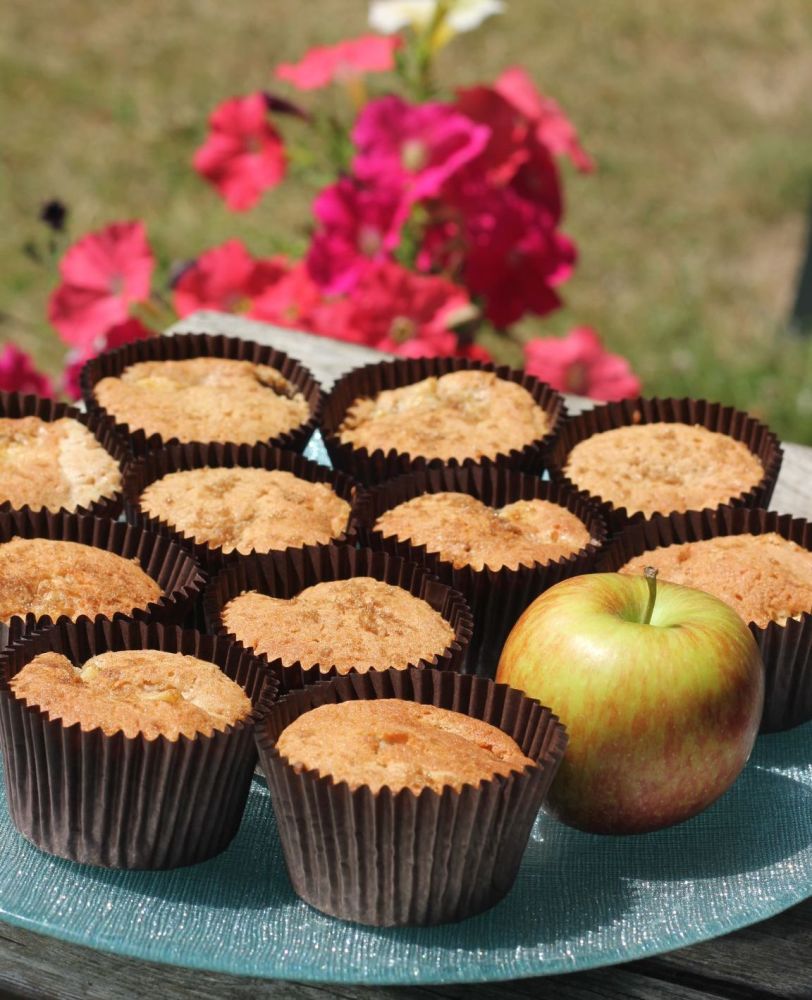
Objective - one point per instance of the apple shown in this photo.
(661, 688)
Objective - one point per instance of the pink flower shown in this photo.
(506, 149)
(328, 63)
(413, 148)
(243, 155)
(358, 225)
(18, 373)
(103, 274)
(396, 310)
(117, 336)
(512, 254)
(579, 363)
(225, 278)
(294, 300)
(552, 128)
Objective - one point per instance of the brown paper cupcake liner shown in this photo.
(285, 574)
(375, 467)
(394, 858)
(497, 596)
(738, 425)
(16, 405)
(142, 472)
(174, 570)
(785, 649)
(119, 801)
(194, 345)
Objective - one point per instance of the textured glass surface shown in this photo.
(579, 900)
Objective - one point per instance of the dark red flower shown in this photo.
(103, 274)
(225, 278)
(579, 363)
(552, 127)
(514, 256)
(358, 224)
(326, 64)
(243, 155)
(19, 374)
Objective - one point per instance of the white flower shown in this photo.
(389, 16)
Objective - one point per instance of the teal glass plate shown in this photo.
(579, 901)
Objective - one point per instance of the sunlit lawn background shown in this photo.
(691, 233)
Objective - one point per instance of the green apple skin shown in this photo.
(661, 717)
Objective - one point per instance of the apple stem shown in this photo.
(651, 576)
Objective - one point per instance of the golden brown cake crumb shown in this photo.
(57, 578)
(762, 577)
(466, 532)
(204, 399)
(399, 744)
(247, 509)
(53, 464)
(465, 414)
(360, 623)
(663, 467)
(135, 691)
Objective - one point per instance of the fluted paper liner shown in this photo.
(497, 596)
(119, 801)
(140, 473)
(175, 571)
(194, 345)
(738, 425)
(16, 405)
(394, 858)
(285, 574)
(375, 467)
(785, 649)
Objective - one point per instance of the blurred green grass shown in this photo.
(690, 234)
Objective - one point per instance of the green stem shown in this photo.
(651, 577)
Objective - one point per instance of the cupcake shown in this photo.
(196, 387)
(54, 457)
(403, 766)
(499, 537)
(758, 562)
(325, 610)
(404, 415)
(63, 566)
(140, 738)
(645, 456)
(224, 501)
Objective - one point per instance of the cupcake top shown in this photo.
(399, 744)
(246, 509)
(53, 464)
(359, 623)
(465, 414)
(203, 399)
(763, 577)
(54, 578)
(139, 691)
(466, 532)
(663, 467)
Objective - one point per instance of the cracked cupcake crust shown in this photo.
(466, 532)
(204, 399)
(360, 624)
(399, 744)
(247, 509)
(663, 467)
(42, 576)
(53, 464)
(461, 415)
(763, 578)
(138, 692)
